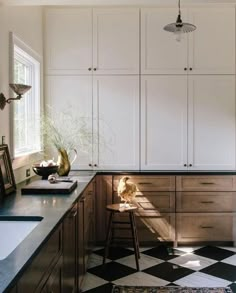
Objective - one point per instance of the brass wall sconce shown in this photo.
(19, 89)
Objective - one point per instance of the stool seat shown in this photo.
(122, 208)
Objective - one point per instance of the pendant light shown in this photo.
(179, 27)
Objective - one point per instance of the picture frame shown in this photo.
(7, 180)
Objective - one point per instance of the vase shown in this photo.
(64, 162)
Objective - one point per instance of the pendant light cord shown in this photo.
(179, 8)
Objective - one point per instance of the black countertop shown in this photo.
(53, 208)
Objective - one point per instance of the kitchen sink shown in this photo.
(13, 230)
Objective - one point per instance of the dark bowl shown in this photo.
(44, 171)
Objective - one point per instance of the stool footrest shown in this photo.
(120, 222)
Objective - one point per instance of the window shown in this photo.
(26, 112)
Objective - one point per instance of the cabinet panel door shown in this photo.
(72, 96)
(211, 137)
(116, 109)
(212, 45)
(160, 52)
(164, 122)
(68, 36)
(116, 41)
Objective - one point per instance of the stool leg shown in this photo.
(136, 234)
(108, 238)
(136, 252)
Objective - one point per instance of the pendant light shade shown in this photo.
(179, 26)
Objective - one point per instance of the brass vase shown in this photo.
(64, 162)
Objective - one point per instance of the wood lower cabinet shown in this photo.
(70, 231)
(44, 266)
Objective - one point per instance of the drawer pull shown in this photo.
(207, 183)
(144, 183)
(207, 201)
(207, 227)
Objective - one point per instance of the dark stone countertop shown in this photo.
(53, 208)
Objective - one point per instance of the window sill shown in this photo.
(27, 159)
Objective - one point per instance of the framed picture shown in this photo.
(7, 181)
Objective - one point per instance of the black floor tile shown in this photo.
(214, 252)
(106, 288)
(115, 252)
(233, 287)
(221, 270)
(169, 272)
(163, 252)
(111, 271)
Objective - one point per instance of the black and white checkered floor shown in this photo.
(207, 266)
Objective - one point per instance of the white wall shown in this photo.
(26, 23)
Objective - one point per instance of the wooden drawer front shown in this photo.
(161, 201)
(205, 201)
(206, 183)
(37, 273)
(154, 226)
(149, 183)
(204, 227)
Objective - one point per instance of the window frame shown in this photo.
(27, 158)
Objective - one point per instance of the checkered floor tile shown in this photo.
(207, 266)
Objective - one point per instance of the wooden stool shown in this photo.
(119, 208)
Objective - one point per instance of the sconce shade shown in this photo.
(19, 89)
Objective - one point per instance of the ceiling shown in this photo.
(110, 2)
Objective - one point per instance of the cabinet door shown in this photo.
(71, 96)
(160, 52)
(116, 41)
(80, 244)
(212, 45)
(211, 131)
(164, 122)
(69, 251)
(68, 36)
(116, 109)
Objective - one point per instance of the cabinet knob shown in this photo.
(90, 165)
(185, 68)
(185, 165)
(190, 69)
(190, 165)
(89, 69)
(95, 165)
(95, 69)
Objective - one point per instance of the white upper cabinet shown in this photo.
(164, 122)
(68, 36)
(211, 122)
(210, 49)
(212, 45)
(188, 122)
(116, 41)
(92, 41)
(72, 96)
(116, 122)
(160, 52)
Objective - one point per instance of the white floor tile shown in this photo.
(188, 249)
(193, 261)
(228, 248)
(140, 279)
(91, 281)
(96, 260)
(230, 260)
(145, 261)
(202, 280)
